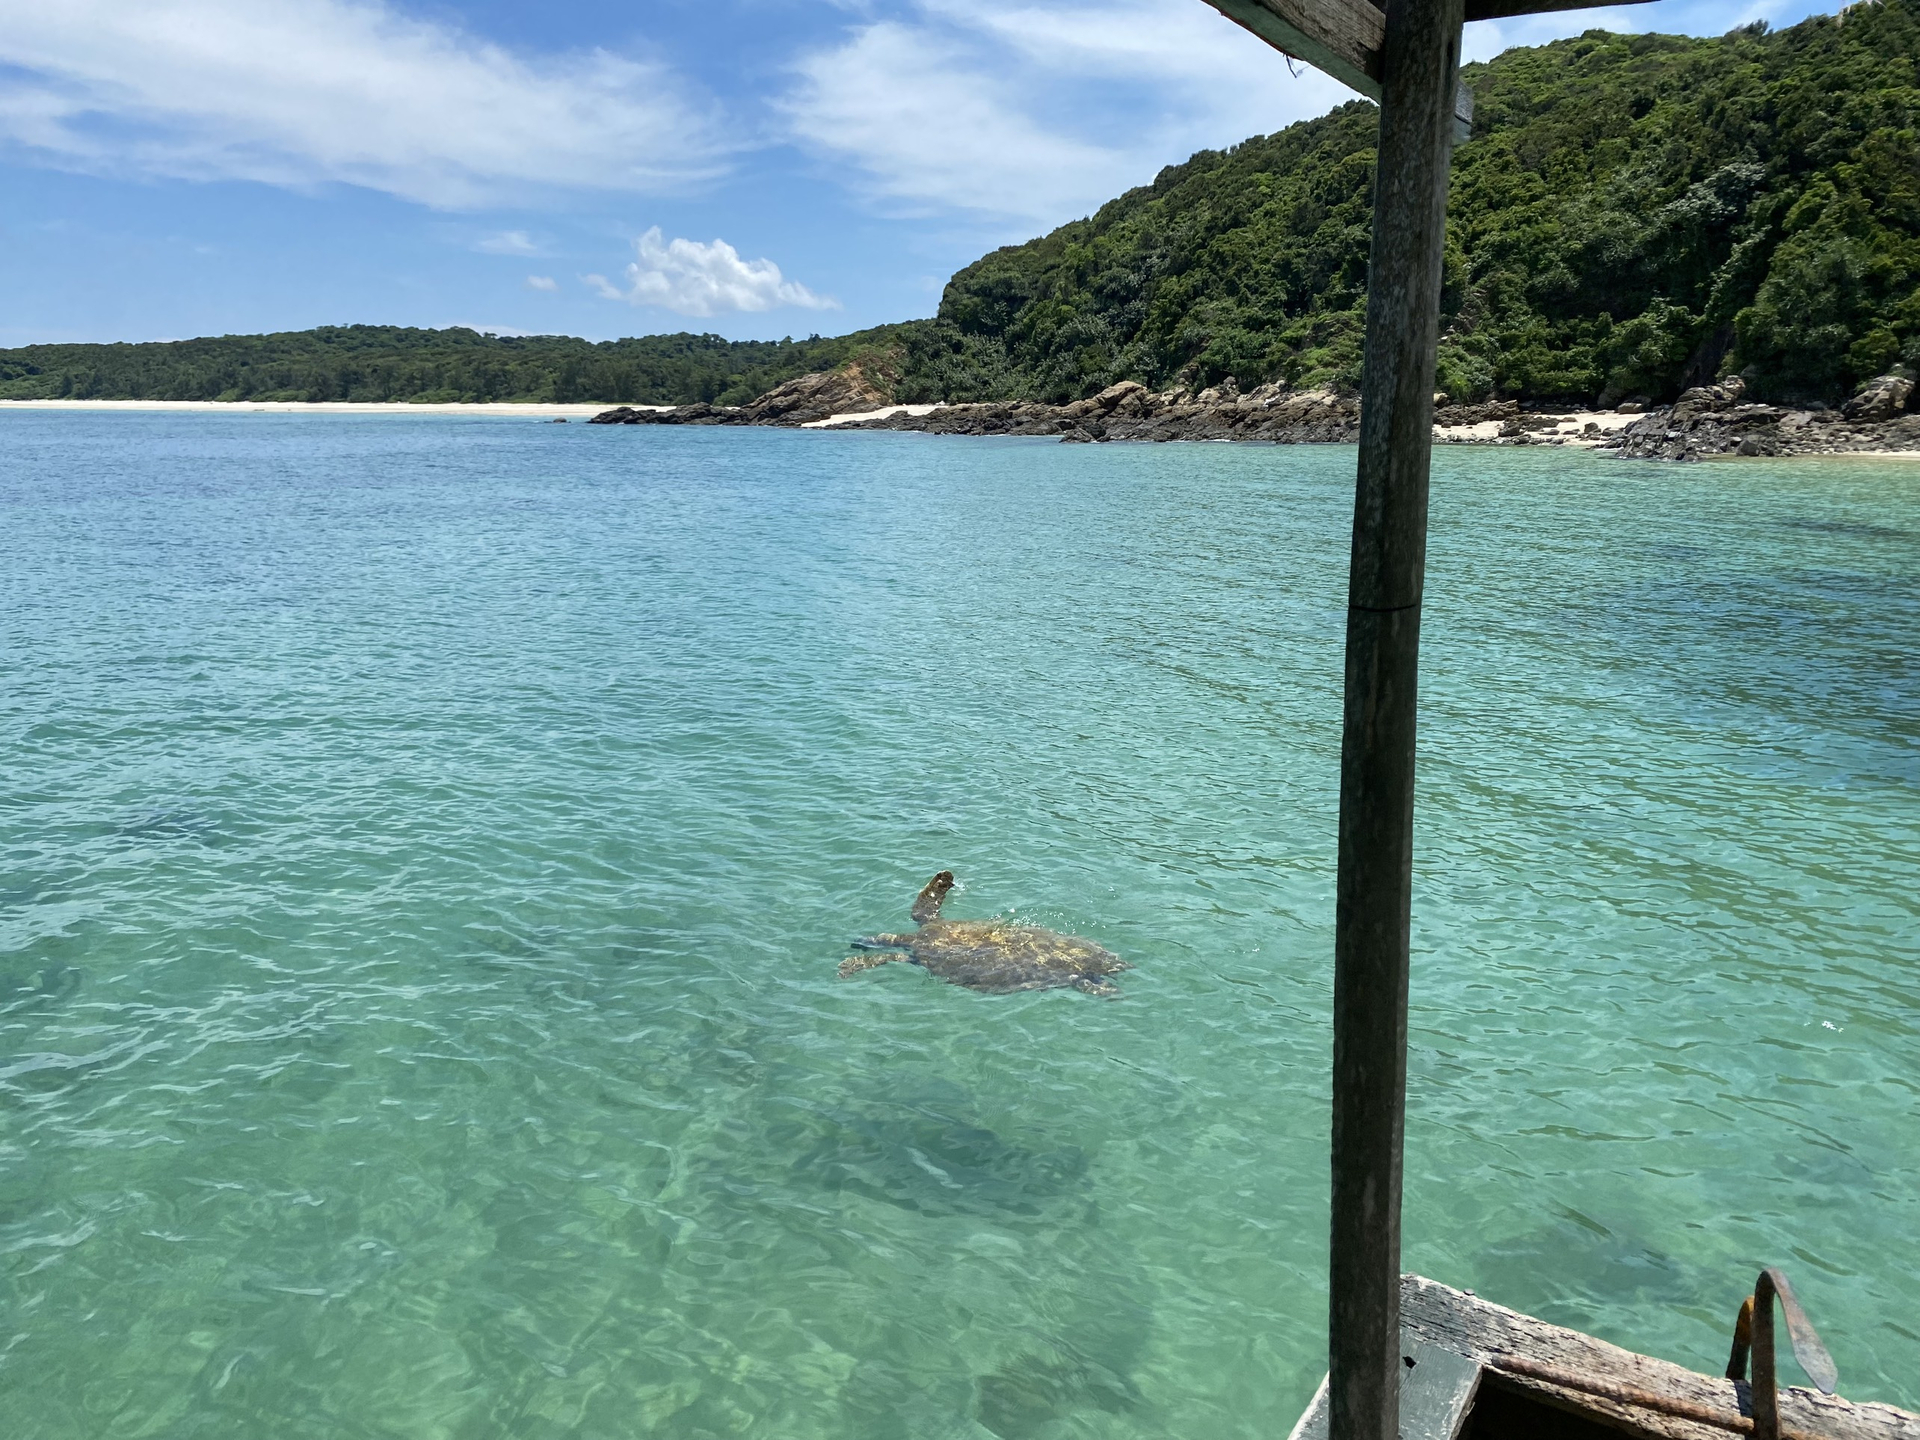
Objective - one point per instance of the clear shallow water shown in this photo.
(426, 846)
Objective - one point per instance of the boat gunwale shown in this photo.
(1487, 1333)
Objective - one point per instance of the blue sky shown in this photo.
(755, 168)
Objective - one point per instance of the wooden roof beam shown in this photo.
(1343, 37)
(1505, 9)
(1340, 37)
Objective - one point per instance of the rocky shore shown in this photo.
(804, 400)
(1127, 411)
(1704, 422)
(1718, 420)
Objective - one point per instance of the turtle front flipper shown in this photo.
(884, 942)
(854, 964)
(1093, 985)
(926, 905)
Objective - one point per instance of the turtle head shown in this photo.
(926, 905)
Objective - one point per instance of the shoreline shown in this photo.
(1581, 429)
(1574, 430)
(857, 417)
(1705, 422)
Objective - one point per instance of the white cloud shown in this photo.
(507, 242)
(927, 130)
(1035, 112)
(691, 278)
(543, 282)
(301, 92)
(1027, 113)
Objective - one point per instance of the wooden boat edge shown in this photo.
(1493, 1338)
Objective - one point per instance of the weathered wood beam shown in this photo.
(1505, 9)
(1501, 9)
(1419, 60)
(1343, 37)
(1460, 1322)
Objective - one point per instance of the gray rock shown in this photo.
(1707, 420)
(1881, 398)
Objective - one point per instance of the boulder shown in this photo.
(1881, 398)
(803, 398)
(816, 396)
(1129, 397)
(1709, 399)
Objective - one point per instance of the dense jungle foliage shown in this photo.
(1634, 214)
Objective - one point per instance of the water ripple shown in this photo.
(426, 847)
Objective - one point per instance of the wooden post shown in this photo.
(1419, 56)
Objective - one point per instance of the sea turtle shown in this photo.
(989, 955)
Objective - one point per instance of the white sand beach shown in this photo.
(1572, 429)
(849, 415)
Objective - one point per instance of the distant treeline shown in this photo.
(384, 362)
(1634, 214)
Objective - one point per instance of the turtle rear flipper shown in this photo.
(1092, 985)
(926, 905)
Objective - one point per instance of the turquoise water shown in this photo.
(426, 846)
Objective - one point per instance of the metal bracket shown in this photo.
(1753, 1332)
(1462, 112)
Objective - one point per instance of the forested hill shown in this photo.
(1634, 214)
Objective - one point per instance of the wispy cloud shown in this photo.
(1023, 113)
(689, 277)
(302, 92)
(543, 282)
(928, 126)
(1032, 110)
(507, 242)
